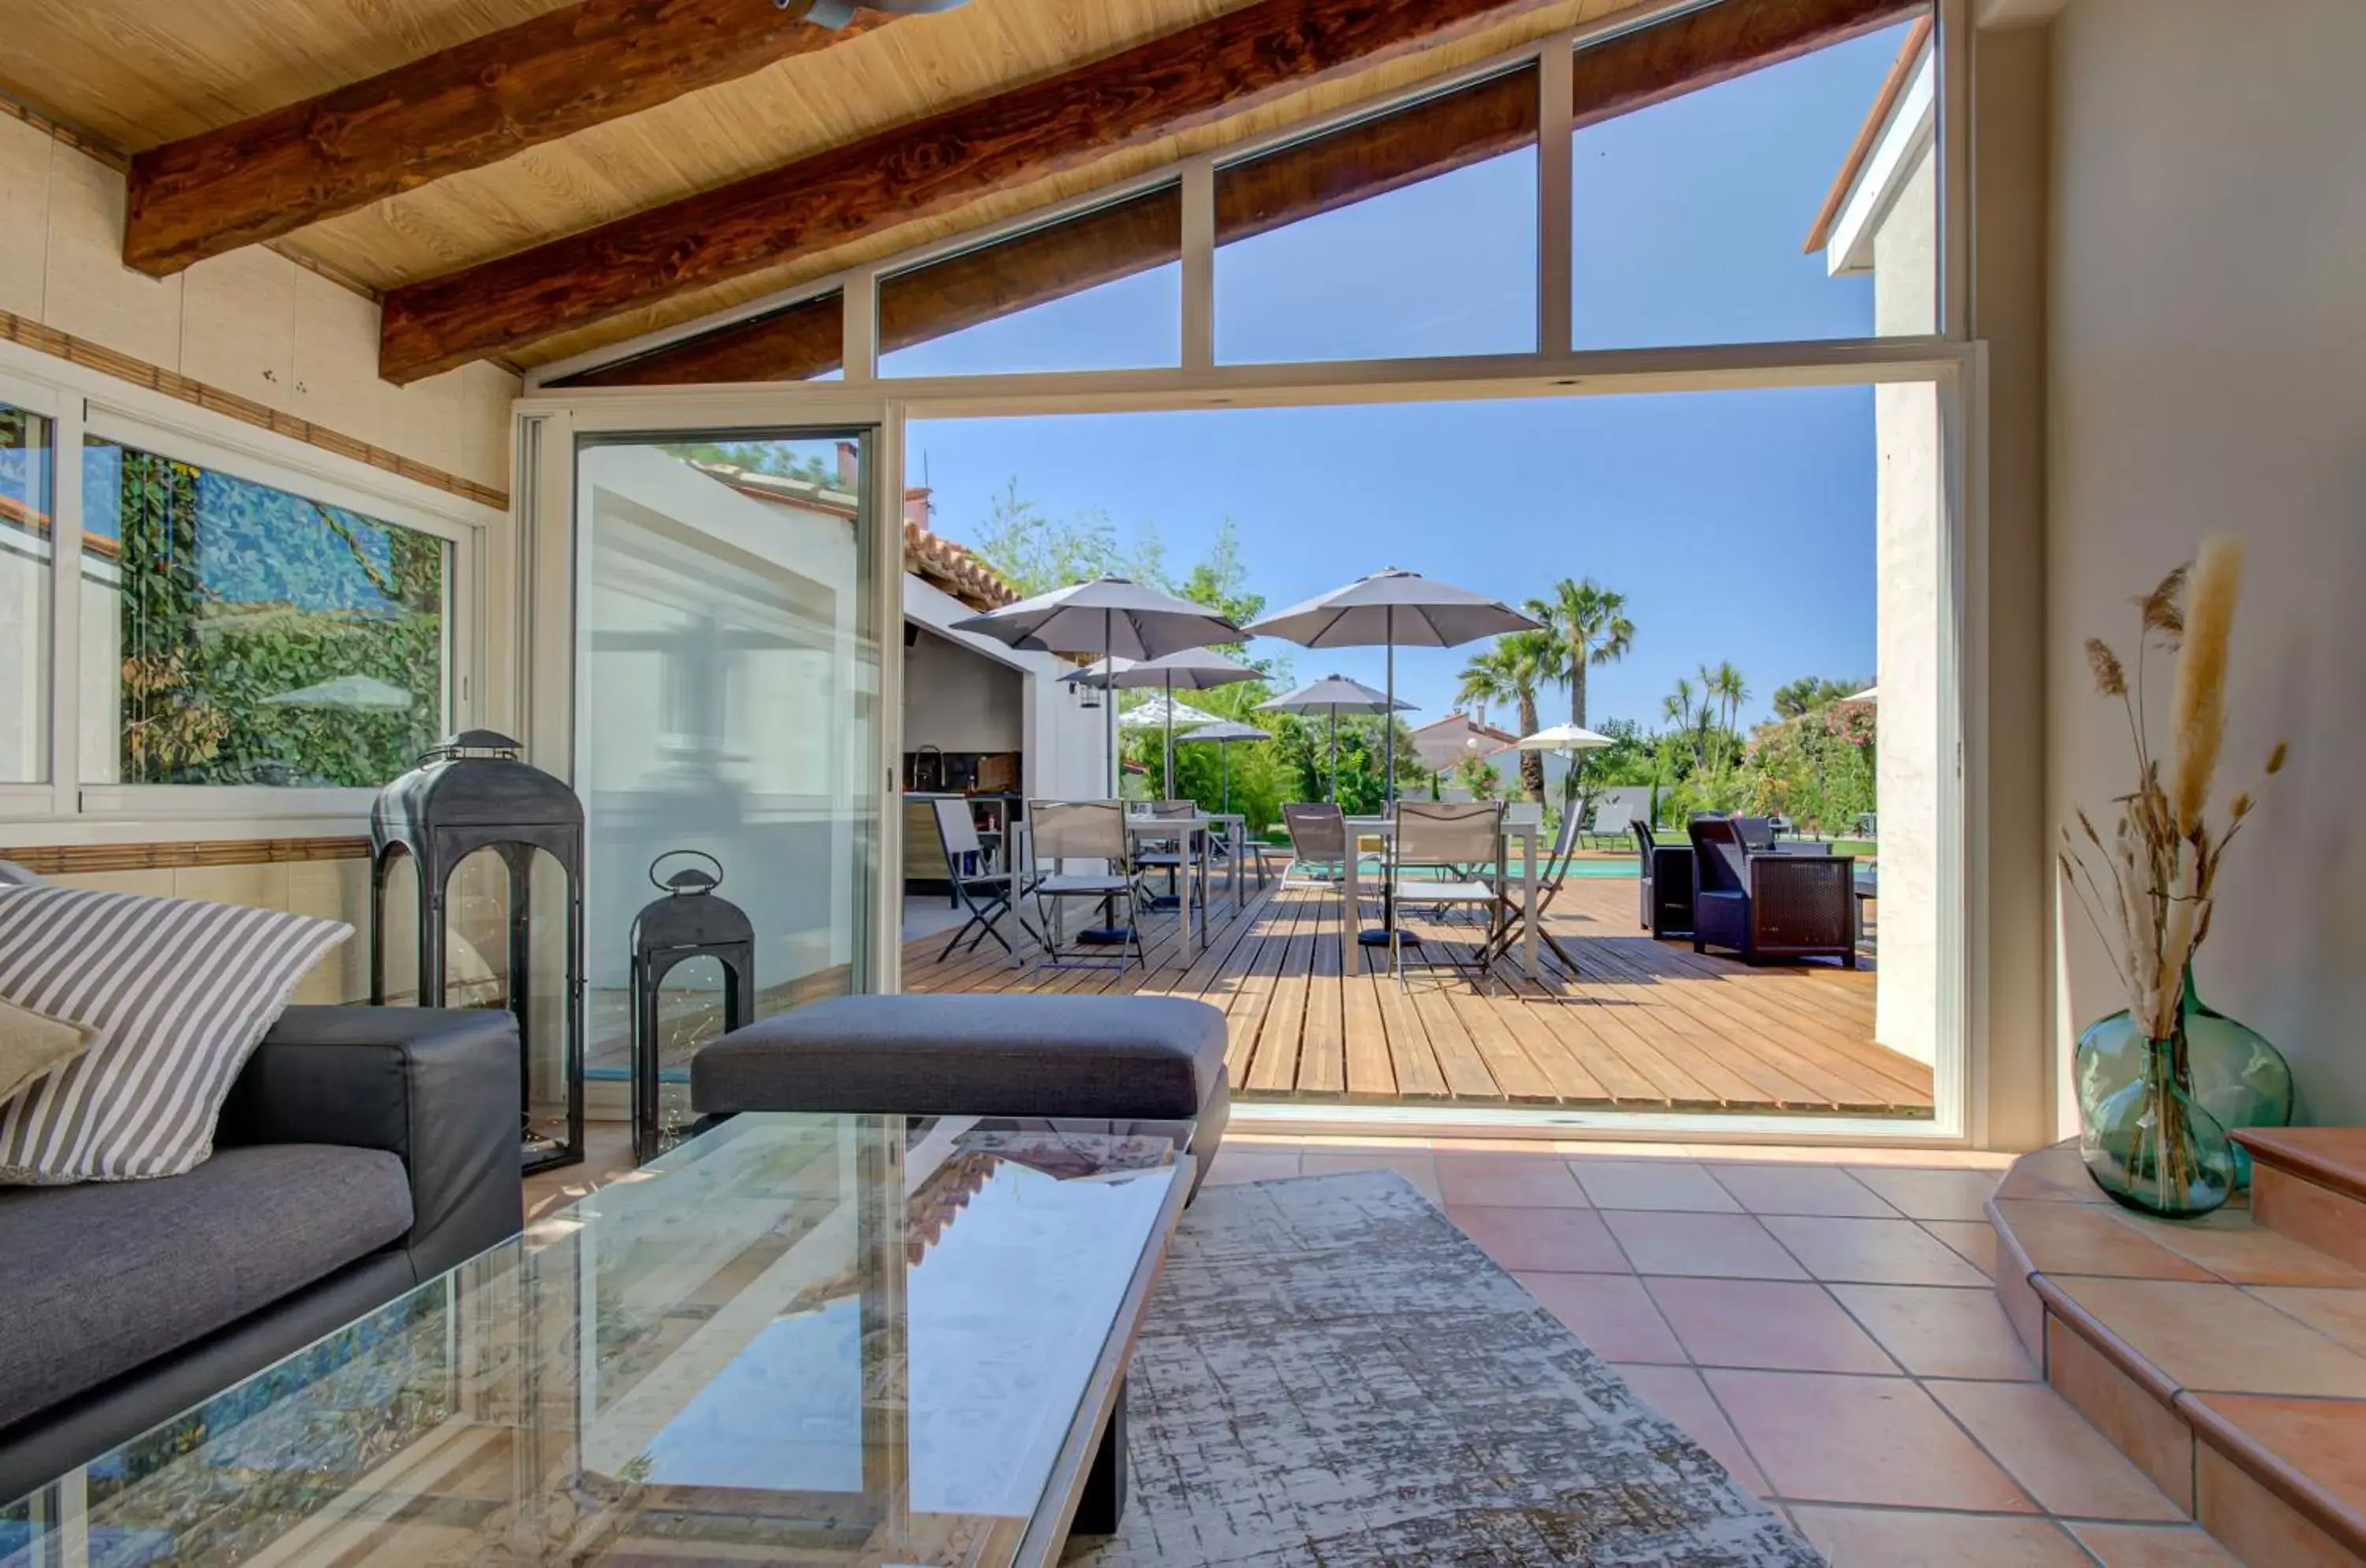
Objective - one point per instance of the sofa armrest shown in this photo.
(438, 1087)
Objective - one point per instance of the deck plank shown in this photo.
(1641, 1025)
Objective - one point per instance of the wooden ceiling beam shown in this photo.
(953, 157)
(474, 104)
(1228, 65)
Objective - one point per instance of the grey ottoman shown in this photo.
(1120, 1058)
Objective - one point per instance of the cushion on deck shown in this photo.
(1150, 1057)
(99, 1279)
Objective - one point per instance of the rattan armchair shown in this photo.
(1770, 906)
(1667, 878)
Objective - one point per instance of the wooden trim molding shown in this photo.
(84, 860)
(155, 378)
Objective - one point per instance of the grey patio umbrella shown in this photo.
(1386, 609)
(1112, 616)
(1225, 735)
(1394, 609)
(1193, 670)
(1336, 694)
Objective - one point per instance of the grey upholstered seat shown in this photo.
(1150, 1058)
(108, 1276)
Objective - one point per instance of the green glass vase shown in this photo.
(2151, 1146)
(2231, 1070)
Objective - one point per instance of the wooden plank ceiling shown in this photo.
(139, 75)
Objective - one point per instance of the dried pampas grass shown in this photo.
(2150, 891)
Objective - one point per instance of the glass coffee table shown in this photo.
(794, 1338)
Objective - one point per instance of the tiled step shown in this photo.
(2227, 1360)
(2309, 1183)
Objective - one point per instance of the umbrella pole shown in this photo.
(1108, 719)
(1170, 737)
(1335, 753)
(1224, 764)
(1389, 750)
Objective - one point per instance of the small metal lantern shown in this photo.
(689, 922)
(475, 792)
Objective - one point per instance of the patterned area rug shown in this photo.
(1332, 1374)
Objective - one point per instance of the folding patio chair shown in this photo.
(1549, 880)
(1449, 834)
(1318, 845)
(1059, 831)
(984, 894)
(1168, 855)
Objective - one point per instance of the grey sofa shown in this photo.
(362, 1151)
(1086, 1058)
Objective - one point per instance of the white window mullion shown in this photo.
(858, 341)
(65, 610)
(1198, 196)
(1556, 219)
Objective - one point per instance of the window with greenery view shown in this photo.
(243, 635)
(24, 596)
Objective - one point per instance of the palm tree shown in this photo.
(1732, 690)
(1588, 626)
(1510, 671)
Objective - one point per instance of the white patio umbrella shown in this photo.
(1386, 609)
(1870, 695)
(1112, 616)
(362, 691)
(1225, 735)
(1568, 739)
(1336, 694)
(1193, 670)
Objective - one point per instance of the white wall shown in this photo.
(2207, 338)
(1062, 742)
(958, 700)
(251, 323)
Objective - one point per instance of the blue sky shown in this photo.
(1738, 525)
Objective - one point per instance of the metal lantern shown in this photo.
(475, 792)
(689, 922)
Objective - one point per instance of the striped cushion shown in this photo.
(181, 989)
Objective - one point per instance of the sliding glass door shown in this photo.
(728, 686)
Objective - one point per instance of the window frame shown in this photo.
(84, 404)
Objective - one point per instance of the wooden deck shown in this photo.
(1644, 1025)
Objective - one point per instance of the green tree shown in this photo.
(1587, 625)
(1509, 673)
(777, 457)
(1810, 693)
(1036, 553)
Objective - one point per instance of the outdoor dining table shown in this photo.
(1524, 834)
(1194, 832)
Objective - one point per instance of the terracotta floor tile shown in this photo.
(1765, 1322)
(2056, 1174)
(1931, 1194)
(1725, 1245)
(2230, 1245)
(1252, 1165)
(1678, 1393)
(1612, 1312)
(2076, 1239)
(1822, 1438)
(2047, 1446)
(1415, 1166)
(1616, 1148)
(1536, 1180)
(1800, 1190)
(1871, 1252)
(1939, 1331)
(2324, 1438)
(2255, 1524)
(1976, 1239)
(2340, 1313)
(1652, 1184)
(2215, 1338)
(1887, 1538)
(1546, 1240)
(2153, 1546)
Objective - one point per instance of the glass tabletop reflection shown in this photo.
(799, 1338)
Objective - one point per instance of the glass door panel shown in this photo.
(727, 693)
